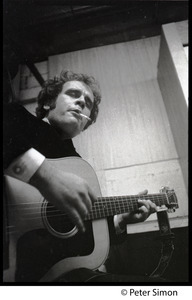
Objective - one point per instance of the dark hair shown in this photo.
(53, 87)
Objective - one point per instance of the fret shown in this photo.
(109, 206)
(113, 207)
(105, 207)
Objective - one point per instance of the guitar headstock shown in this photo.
(172, 202)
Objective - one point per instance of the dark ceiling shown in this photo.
(36, 29)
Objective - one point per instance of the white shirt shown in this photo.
(25, 165)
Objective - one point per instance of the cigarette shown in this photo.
(85, 117)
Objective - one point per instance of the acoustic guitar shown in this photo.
(44, 244)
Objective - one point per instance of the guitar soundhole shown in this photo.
(57, 222)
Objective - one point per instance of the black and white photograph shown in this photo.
(95, 145)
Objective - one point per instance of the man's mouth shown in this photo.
(76, 112)
(79, 114)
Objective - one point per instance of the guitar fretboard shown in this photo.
(109, 206)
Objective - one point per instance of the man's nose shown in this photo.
(81, 101)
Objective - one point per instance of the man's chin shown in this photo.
(71, 131)
(68, 129)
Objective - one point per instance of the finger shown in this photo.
(81, 206)
(144, 213)
(153, 207)
(77, 220)
(86, 202)
(144, 210)
(149, 205)
(144, 203)
(93, 197)
(143, 192)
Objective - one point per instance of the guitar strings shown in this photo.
(98, 214)
(99, 209)
(114, 199)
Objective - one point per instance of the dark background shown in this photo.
(36, 29)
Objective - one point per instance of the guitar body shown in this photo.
(43, 248)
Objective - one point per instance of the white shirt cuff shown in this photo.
(25, 166)
(117, 227)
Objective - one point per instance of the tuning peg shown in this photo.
(171, 210)
(164, 189)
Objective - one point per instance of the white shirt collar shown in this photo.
(46, 120)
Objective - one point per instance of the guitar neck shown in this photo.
(110, 206)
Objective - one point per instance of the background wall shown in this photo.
(173, 82)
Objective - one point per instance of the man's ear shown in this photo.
(46, 107)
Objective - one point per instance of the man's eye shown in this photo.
(89, 103)
(74, 94)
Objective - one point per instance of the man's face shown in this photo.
(75, 98)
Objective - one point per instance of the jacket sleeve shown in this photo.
(16, 137)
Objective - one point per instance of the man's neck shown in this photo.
(62, 135)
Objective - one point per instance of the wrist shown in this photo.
(41, 174)
(119, 224)
(122, 222)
